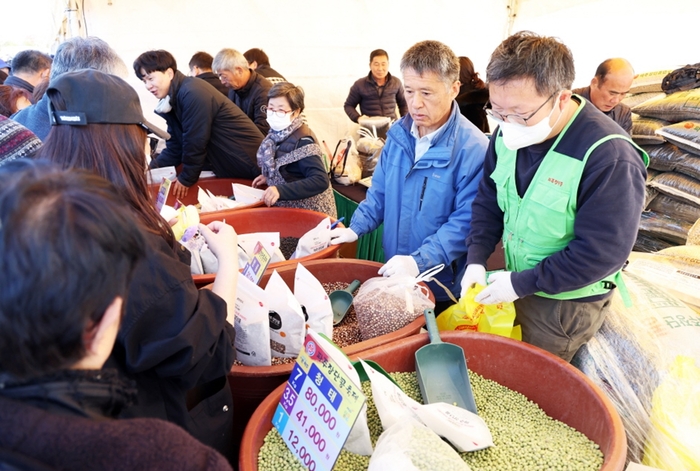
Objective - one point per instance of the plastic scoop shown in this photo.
(442, 370)
(341, 299)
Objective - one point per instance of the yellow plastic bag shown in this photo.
(673, 442)
(468, 314)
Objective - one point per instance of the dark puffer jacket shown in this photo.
(252, 99)
(375, 100)
(207, 131)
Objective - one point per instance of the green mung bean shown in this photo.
(525, 438)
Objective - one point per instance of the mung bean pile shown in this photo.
(525, 437)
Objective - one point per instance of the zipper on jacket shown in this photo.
(422, 193)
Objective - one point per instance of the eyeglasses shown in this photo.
(514, 118)
(279, 114)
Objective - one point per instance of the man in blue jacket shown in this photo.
(427, 176)
(563, 188)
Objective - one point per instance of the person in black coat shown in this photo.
(175, 338)
(260, 63)
(473, 95)
(200, 67)
(72, 250)
(208, 132)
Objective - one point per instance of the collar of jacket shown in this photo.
(88, 393)
(370, 79)
(175, 84)
(440, 152)
(245, 89)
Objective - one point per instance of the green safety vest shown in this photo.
(542, 222)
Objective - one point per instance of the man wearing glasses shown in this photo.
(563, 187)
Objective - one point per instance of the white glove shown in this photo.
(341, 235)
(475, 274)
(400, 265)
(499, 290)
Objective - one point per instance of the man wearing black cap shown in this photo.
(208, 130)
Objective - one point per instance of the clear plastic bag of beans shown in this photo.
(386, 304)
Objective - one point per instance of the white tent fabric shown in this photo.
(324, 45)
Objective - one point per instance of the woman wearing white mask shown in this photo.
(290, 157)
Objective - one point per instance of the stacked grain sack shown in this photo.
(667, 126)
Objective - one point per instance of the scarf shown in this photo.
(268, 147)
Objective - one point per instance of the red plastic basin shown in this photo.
(217, 186)
(561, 390)
(289, 222)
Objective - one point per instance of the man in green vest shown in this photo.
(563, 188)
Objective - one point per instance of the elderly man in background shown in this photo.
(563, 188)
(248, 89)
(423, 186)
(74, 54)
(612, 81)
(29, 68)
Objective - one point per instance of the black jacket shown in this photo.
(268, 72)
(63, 422)
(306, 177)
(212, 79)
(173, 338)
(375, 100)
(471, 105)
(252, 99)
(207, 129)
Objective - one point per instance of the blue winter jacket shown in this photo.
(426, 207)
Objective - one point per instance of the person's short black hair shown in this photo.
(202, 60)
(30, 61)
(154, 61)
(257, 55)
(376, 53)
(68, 247)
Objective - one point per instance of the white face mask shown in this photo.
(277, 123)
(517, 136)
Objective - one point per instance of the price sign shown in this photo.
(318, 408)
(163, 192)
(254, 269)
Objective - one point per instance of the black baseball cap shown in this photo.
(94, 97)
